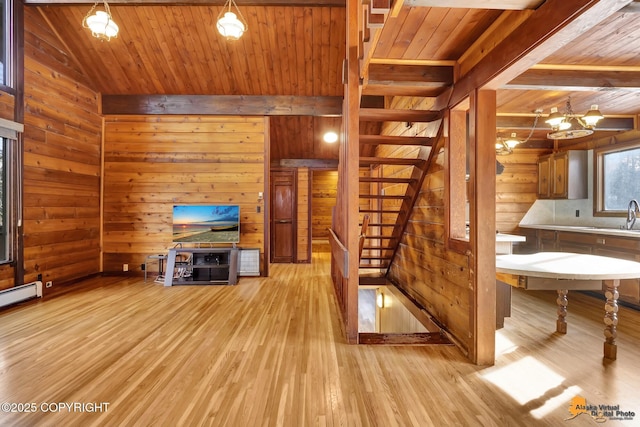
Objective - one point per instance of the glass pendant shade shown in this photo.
(230, 26)
(593, 116)
(101, 23)
(512, 141)
(555, 118)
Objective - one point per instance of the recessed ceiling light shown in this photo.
(330, 137)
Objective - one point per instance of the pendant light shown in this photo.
(101, 23)
(228, 23)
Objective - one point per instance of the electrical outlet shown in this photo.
(125, 267)
(577, 213)
(49, 284)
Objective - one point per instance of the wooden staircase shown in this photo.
(390, 188)
(387, 197)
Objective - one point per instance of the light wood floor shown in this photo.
(270, 351)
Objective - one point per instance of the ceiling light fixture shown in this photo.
(330, 137)
(562, 124)
(101, 23)
(228, 24)
(505, 146)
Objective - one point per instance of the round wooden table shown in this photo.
(564, 271)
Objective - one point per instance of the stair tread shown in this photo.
(398, 115)
(396, 140)
(385, 196)
(400, 161)
(386, 180)
(384, 211)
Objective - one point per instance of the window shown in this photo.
(10, 194)
(5, 43)
(4, 238)
(617, 178)
(3, 38)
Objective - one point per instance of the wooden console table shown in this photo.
(564, 271)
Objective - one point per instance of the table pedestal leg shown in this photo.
(561, 323)
(611, 319)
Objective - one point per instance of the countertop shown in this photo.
(586, 229)
(502, 237)
(568, 266)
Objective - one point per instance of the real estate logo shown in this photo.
(599, 413)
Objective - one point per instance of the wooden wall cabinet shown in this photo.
(563, 175)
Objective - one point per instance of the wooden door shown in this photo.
(283, 215)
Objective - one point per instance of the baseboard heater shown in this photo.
(20, 293)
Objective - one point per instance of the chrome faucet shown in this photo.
(632, 213)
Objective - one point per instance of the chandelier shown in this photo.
(229, 25)
(100, 23)
(505, 146)
(562, 125)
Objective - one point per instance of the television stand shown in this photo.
(203, 266)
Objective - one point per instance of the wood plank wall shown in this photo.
(61, 161)
(300, 137)
(437, 278)
(516, 188)
(303, 231)
(154, 162)
(7, 102)
(324, 188)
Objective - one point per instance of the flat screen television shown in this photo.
(206, 224)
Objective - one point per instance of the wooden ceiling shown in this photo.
(440, 39)
(163, 49)
(411, 47)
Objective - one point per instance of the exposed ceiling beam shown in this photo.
(554, 24)
(306, 163)
(402, 89)
(585, 67)
(570, 80)
(318, 3)
(474, 4)
(240, 105)
(423, 62)
(616, 124)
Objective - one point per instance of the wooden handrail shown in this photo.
(363, 234)
(340, 253)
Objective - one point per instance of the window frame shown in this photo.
(598, 178)
(10, 133)
(7, 83)
(6, 224)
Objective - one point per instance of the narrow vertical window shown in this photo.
(5, 43)
(4, 241)
(3, 38)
